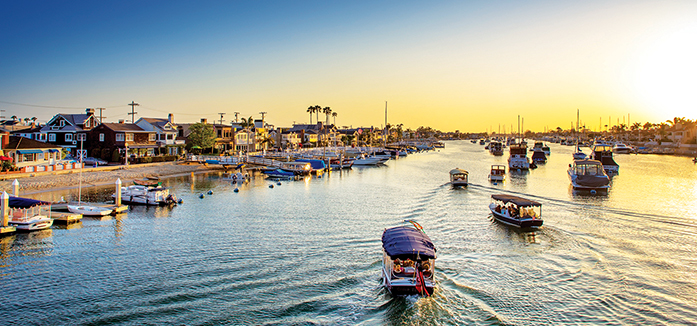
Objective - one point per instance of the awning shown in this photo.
(406, 242)
(53, 150)
(29, 151)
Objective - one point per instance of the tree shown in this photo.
(247, 123)
(201, 135)
(311, 110)
(334, 114)
(327, 111)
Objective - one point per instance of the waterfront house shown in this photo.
(62, 129)
(26, 152)
(166, 133)
(124, 137)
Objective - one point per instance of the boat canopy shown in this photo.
(458, 171)
(406, 242)
(518, 201)
(19, 202)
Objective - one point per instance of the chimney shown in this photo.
(5, 139)
(204, 120)
(121, 121)
(170, 117)
(89, 111)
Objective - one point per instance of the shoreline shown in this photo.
(97, 178)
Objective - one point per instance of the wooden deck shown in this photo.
(65, 218)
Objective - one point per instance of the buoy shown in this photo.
(319, 176)
(180, 201)
(278, 183)
(236, 190)
(495, 183)
(593, 192)
(201, 195)
(210, 192)
(270, 186)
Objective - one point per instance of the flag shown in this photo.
(420, 283)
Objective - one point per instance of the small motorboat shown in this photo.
(621, 148)
(28, 214)
(458, 177)
(603, 153)
(588, 175)
(579, 155)
(147, 182)
(538, 155)
(516, 211)
(518, 159)
(280, 174)
(89, 210)
(147, 195)
(369, 160)
(408, 262)
(498, 173)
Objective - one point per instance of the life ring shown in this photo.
(397, 269)
(426, 266)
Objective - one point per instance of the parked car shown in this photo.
(93, 161)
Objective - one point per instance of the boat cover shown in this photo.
(19, 202)
(458, 171)
(518, 201)
(406, 242)
(316, 164)
(280, 172)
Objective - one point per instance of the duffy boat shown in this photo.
(516, 211)
(458, 177)
(588, 175)
(408, 260)
(28, 214)
(498, 173)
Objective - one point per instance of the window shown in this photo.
(101, 137)
(152, 137)
(68, 137)
(52, 137)
(170, 137)
(129, 137)
(62, 123)
(119, 137)
(42, 137)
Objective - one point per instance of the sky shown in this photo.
(471, 66)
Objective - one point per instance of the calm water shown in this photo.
(308, 252)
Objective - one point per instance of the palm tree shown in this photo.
(26, 121)
(327, 111)
(311, 110)
(334, 114)
(317, 111)
(246, 123)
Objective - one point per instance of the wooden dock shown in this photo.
(65, 218)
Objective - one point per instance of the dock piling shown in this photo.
(15, 188)
(117, 201)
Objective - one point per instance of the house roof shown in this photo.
(158, 122)
(124, 127)
(17, 142)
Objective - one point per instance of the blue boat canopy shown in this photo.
(19, 202)
(316, 164)
(53, 150)
(406, 242)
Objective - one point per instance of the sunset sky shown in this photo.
(451, 65)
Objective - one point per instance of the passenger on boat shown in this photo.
(504, 211)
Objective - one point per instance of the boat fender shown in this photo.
(425, 265)
(397, 268)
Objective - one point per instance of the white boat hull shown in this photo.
(86, 210)
(34, 223)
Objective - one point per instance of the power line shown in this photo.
(133, 105)
(55, 106)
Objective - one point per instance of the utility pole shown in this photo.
(262, 115)
(100, 114)
(236, 114)
(133, 113)
(221, 118)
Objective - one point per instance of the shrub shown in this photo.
(106, 154)
(157, 159)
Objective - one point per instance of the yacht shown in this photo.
(145, 195)
(603, 152)
(588, 175)
(621, 148)
(518, 159)
(498, 173)
(458, 177)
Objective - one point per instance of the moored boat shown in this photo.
(588, 175)
(516, 211)
(408, 262)
(538, 156)
(498, 172)
(518, 159)
(89, 210)
(458, 177)
(621, 148)
(28, 214)
(280, 174)
(147, 195)
(603, 152)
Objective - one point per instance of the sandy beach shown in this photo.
(99, 176)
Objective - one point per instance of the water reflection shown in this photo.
(68, 226)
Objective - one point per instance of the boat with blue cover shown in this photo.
(279, 174)
(408, 263)
(317, 166)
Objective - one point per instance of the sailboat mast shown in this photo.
(386, 129)
(79, 191)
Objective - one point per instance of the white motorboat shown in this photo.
(369, 160)
(579, 155)
(498, 173)
(88, 210)
(621, 148)
(603, 152)
(588, 175)
(144, 195)
(458, 177)
(518, 159)
(408, 262)
(29, 214)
